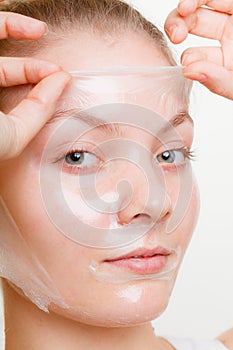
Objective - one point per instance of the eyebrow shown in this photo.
(113, 127)
(177, 120)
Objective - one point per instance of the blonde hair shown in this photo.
(111, 16)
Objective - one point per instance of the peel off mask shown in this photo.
(107, 176)
(20, 266)
(113, 126)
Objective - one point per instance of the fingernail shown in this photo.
(52, 67)
(35, 27)
(190, 58)
(34, 24)
(172, 30)
(46, 28)
(174, 33)
(33, 21)
(201, 77)
(182, 1)
(66, 77)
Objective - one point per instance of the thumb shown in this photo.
(215, 77)
(21, 125)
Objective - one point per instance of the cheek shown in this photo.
(192, 211)
(188, 220)
(63, 263)
(95, 199)
(88, 201)
(20, 190)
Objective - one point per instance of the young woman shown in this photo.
(52, 297)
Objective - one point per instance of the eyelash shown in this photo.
(187, 152)
(74, 169)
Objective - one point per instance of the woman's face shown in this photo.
(132, 292)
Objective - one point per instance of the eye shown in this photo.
(172, 156)
(81, 159)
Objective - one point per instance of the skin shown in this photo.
(52, 325)
(121, 309)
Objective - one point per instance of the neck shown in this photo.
(28, 327)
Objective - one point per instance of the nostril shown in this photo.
(166, 216)
(137, 219)
(136, 216)
(141, 219)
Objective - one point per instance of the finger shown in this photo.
(204, 23)
(195, 54)
(216, 55)
(19, 127)
(17, 71)
(175, 27)
(217, 79)
(186, 7)
(14, 25)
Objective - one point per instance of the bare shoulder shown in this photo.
(227, 339)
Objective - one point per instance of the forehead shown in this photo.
(85, 50)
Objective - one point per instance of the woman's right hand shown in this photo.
(19, 127)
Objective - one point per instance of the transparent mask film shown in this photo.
(104, 177)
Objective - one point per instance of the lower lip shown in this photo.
(146, 265)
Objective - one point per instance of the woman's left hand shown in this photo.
(211, 66)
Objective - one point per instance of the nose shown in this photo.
(148, 196)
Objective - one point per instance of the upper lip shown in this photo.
(143, 253)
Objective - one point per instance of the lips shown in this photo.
(143, 261)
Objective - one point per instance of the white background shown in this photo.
(201, 305)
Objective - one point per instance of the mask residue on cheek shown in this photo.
(21, 267)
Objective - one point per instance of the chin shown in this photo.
(127, 305)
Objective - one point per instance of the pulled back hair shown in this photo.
(103, 16)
